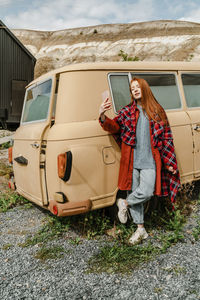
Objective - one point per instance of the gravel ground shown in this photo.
(174, 275)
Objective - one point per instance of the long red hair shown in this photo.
(149, 103)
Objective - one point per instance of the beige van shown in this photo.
(65, 162)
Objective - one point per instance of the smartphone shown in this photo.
(105, 95)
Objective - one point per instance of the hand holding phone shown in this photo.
(106, 104)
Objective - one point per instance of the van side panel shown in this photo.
(79, 96)
(95, 154)
(91, 177)
(183, 142)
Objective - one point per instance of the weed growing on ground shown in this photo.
(53, 252)
(173, 229)
(196, 231)
(75, 241)
(176, 269)
(158, 290)
(51, 229)
(7, 246)
(5, 145)
(89, 225)
(5, 169)
(11, 199)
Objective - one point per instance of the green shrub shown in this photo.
(125, 56)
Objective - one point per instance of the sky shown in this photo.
(53, 15)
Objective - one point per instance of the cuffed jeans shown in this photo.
(142, 190)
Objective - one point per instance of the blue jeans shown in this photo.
(142, 190)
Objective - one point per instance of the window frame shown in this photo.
(188, 72)
(146, 72)
(30, 87)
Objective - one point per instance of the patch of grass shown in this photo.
(92, 224)
(173, 228)
(176, 269)
(194, 292)
(76, 241)
(158, 290)
(11, 199)
(53, 252)
(7, 246)
(5, 169)
(5, 145)
(196, 231)
(51, 229)
(88, 225)
(26, 205)
(123, 258)
(118, 256)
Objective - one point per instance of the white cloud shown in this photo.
(61, 14)
(5, 2)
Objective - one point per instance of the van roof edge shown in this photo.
(123, 66)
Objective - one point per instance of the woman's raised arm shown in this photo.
(107, 124)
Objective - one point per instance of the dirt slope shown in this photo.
(156, 40)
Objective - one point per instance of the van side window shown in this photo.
(120, 90)
(164, 88)
(191, 85)
(37, 102)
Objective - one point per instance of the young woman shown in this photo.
(148, 163)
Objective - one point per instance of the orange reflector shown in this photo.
(62, 163)
(10, 155)
(55, 210)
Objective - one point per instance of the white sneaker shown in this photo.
(122, 213)
(139, 235)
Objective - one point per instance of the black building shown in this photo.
(16, 71)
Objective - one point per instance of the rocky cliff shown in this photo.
(152, 41)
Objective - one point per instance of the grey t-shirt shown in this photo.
(143, 158)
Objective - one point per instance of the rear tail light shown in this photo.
(64, 165)
(10, 155)
(55, 210)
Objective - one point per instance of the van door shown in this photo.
(30, 144)
(191, 86)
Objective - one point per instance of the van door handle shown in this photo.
(35, 145)
(21, 160)
(197, 127)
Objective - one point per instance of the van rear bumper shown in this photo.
(69, 208)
